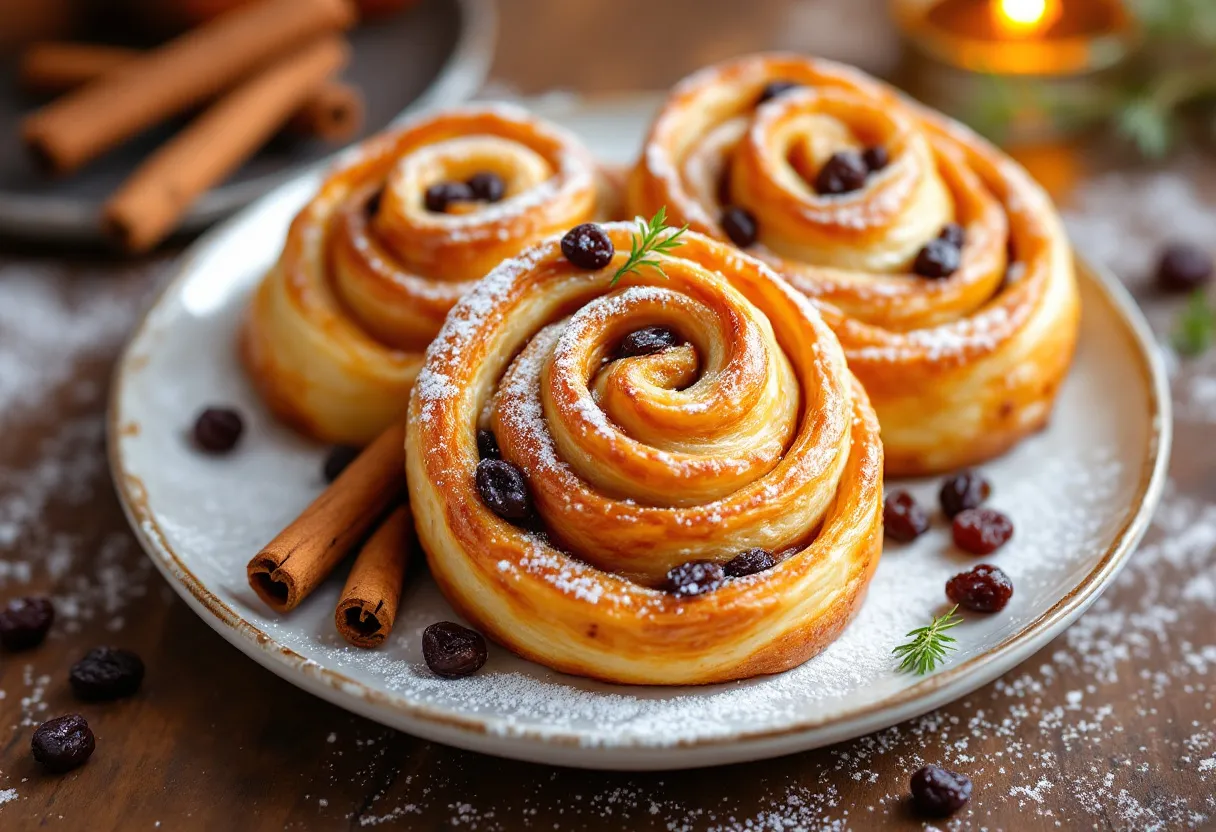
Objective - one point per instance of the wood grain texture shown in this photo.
(1110, 727)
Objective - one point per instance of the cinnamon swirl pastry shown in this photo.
(685, 485)
(400, 229)
(941, 266)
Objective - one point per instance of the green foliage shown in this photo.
(649, 241)
(928, 645)
(1195, 326)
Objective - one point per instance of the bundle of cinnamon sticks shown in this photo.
(264, 66)
(363, 511)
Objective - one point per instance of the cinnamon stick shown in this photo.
(368, 607)
(333, 113)
(52, 67)
(183, 73)
(292, 565)
(149, 204)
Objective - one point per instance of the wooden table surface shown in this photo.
(1110, 727)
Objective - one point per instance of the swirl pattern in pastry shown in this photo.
(958, 368)
(750, 433)
(335, 333)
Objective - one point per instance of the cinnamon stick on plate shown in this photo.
(183, 73)
(149, 204)
(368, 608)
(295, 563)
(333, 113)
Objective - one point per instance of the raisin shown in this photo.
(106, 673)
(984, 589)
(647, 341)
(844, 172)
(954, 234)
(749, 562)
(1183, 268)
(453, 651)
(487, 186)
(876, 158)
(938, 793)
(487, 445)
(218, 429)
(694, 578)
(937, 259)
(63, 743)
(441, 194)
(775, 88)
(903, 518)
(981, 531)
(740, 225)
(339, 457)
(588, 246)
(504, 489)
(24, 622)
(964, 490)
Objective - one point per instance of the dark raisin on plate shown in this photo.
(1183, 267)
(938, 793)
(63, 743)
(981, 531)
(24, 622)
(106, 673)
(453, 651)
(903, 518)
(964, 490)
(218, 429)
(504, 489)
(694, 578)
(985, 588)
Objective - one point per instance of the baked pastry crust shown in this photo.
(752, 433)
(335, 333)
(958, 369)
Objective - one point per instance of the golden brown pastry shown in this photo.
(941, 266)
(663, 429)
(400, 229)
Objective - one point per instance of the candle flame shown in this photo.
(1024, 18)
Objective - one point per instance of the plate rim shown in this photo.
(62, 218)
(496, 736)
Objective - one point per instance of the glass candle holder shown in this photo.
(1036, 61)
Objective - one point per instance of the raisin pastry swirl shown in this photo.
(960, 364)
(751, 433)
(335, 334)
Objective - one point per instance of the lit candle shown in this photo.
(1024, 18)
(1060, 44)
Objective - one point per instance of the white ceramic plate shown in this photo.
(1080, 495)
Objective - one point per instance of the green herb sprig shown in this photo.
(1195, 326)
(928, 645)
(650, 241)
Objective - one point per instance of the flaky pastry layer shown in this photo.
(958, 369)
(335, 333)
(752, 433)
